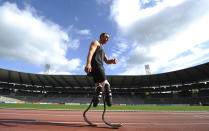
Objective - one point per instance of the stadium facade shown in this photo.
(186, 86)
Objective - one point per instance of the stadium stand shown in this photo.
(186, 86)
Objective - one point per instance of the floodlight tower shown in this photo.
(47, 67)
(147, 69)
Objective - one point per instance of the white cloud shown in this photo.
(54, 72)
(125, 12)
(139, 55)
(134, 70)
(103, 1)
(161, 33)
(145, 1)
(74, 43)
(33, 39)
(119, 49)
(84, 32)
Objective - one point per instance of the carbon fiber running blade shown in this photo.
(112, 125)
(84, 115)
(106, 122)
(90, 123)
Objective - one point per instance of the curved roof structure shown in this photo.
(185, 76)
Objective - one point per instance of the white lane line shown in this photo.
(108, 116)
(36, 114)
(125, 123)
(24, 114)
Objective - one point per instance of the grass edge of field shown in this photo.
(100, 107)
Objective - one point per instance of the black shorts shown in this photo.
(98, 75)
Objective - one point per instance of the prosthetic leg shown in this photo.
(84, 114)
(106, 122)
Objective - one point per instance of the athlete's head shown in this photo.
(104, 37)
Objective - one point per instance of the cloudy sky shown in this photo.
(166, 34)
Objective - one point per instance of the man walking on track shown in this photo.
(94, 67)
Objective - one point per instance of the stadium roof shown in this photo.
(185, 76)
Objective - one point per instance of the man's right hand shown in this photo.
(88, 69)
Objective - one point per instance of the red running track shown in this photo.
(47, 120)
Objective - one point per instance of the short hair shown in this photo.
(102, 34)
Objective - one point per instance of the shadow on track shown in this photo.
(5, 122)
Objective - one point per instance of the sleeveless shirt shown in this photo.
(98, 58)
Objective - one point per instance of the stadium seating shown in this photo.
(182, 94)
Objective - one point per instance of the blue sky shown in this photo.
(168, 35)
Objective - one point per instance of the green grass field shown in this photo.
(100, 107)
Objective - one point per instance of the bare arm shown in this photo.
(110, 61)
(92, 49)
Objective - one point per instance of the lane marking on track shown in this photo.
(24, 114)
(125, 123)
(194, 116)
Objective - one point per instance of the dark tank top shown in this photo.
(98, 58)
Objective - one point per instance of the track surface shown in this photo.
(45, 120)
